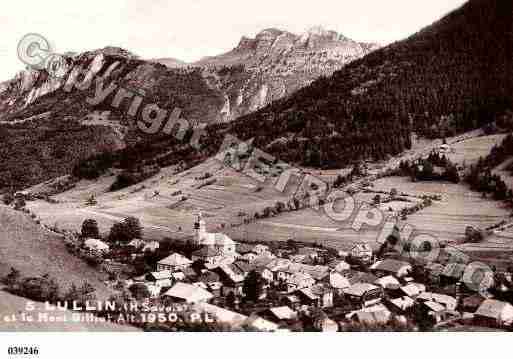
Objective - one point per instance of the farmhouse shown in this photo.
(494, 313)
(161, 278)
(151, 246)
(188, 293)
(446, 301)
(96, 245)
(364, 294)
(282, 313)
(398, 269)
(362, 253)
(299, 281)
(175, 262)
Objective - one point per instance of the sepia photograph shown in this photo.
(334, 167)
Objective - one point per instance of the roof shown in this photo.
(188, 292)
(283, 313)
(243, 266)
(244, 248)
(136, 242)
(388, 282)
(262, 261)
(341, 266)
(208, 277)
(359, 289)
(309, 293)
(165, 274)
(338, 281)
(373, 318)
(413, 289)
(444, 299)
(261, 324)
(390, 265)
(298, 278)
(95, 244)
(207, 252)
(362, 247)
(435, 268)
(492, 308)
(355, 277)
(403, 303)
(434, 306)
(307, 251)
(232, 273)
(175, 259)
(454, 270)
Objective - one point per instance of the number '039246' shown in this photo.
(21, 350)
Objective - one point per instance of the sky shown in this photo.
(191, 29)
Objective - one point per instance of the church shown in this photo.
(219, 241)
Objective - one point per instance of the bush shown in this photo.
(90, 229)
(40, 289)
(125, 231)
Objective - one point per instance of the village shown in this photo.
(291, 286)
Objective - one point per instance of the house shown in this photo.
(339, 266)
(311, 253)
(364, 294)
(434, 271)
(283, 313)
(356, 277)
(208, 255)
(402, 304)
(388, 282)
(248, 257)
(323, 323)
(260, 324)
(452, 273)
(265, 273)
(338, 282)
(396, 268)
(412, 290)
(95, 245)
(151, 246)
(232, 279)
(299, 281)
(317, 272)
(361, 253)
(136, 243)
(175, 262)
(161, 278)
(320, 296)
(472, 303)
(243, 267)
(494, 313)
(292, 301)
(154, 290)
(261, 249)
(188, 293)
(371, 316)
(299, 258)
(448, 302)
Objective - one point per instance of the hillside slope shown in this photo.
(34, 252)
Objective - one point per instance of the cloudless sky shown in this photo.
(191, 29)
